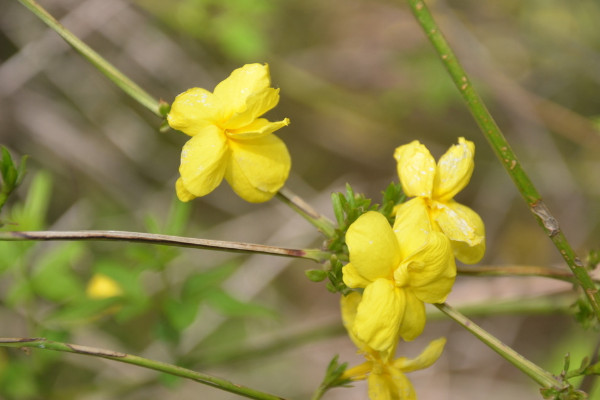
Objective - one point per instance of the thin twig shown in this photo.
(41, 343)
(324, 224)
(505, 154)
(538, 374)
(517, 270)
(106, 68)
(166, 240)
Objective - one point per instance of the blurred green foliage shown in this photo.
(46, 294)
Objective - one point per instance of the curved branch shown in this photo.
(41, 343)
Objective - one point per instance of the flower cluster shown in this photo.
(229, 139)
(385, 375)
(401, 268)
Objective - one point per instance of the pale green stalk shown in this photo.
(516, 270)
(322, 223)
(112, 73)
(505, 154)
(41, 343)
(535, 372)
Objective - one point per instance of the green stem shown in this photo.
(171, 369)
(112, 73)
(325, 225)
(167, 240)
(516, 270)
(507, 157)
(535, 372)
(319, 393)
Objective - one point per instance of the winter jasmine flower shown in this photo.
(400, 269)
(229, 139)
(434, 187)
(385, 374)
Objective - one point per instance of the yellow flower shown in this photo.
(229, 140)
(385, 375)
(102, 287)
(435, 186)
(399, 269)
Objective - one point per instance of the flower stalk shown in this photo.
(535, 372)
(322, 223)
(517, 270)
(167, 240)
(503, 151)
(106, 68)
(41, 343)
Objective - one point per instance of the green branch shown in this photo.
(323, 224)
(219, 383)
(507, 157)
(516, 270)
(535, 372)
(112, 73)
(167, 240)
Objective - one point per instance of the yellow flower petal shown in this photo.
(349, 306)
(203, 162)
(373, 247)
(352, 277)
(432, 270)
(379, 315)
(414, 318)
(244, 83)
(416, 169)
(424, 360)
(358, 372)
(194, 110)
(393, 385)
(182, 192)
(258, 168)
(259, 128)
(256, 105)
(412, 226)
(454, 170)
(464, 228)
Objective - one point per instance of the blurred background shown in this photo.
(357, 79)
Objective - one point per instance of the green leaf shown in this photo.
(54, 278)
(198, 285)
(12, 175)
(316, 275)
(232, 307)
(18, 381)
(82, 311)
(180, 314)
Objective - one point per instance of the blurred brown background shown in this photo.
(357, 79)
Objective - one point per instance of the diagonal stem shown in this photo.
(535, 372)
(322, 223)
(505, 154)
(516, 270)
(41, 343)
(167, 240)
(112, 73)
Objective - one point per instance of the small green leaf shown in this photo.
(316, 275)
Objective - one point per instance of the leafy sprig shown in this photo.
(348, 207)
(12, 174)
